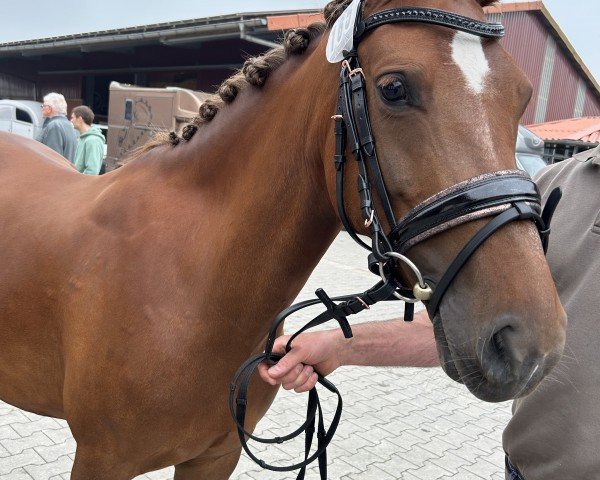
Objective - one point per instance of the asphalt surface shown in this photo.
(398, 423)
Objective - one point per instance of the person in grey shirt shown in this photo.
(58, 132)
(554, 433)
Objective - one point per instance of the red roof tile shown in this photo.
(586, 129)
(285, 22)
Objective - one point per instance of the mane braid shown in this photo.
(256, 71)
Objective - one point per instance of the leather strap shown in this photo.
(547, 213)
(238, 395)
(431, 16)
(520, 211)
(462, 201)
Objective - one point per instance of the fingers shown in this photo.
(299, 379)
(288, 363)
(311, 381)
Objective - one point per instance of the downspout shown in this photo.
(253, 39)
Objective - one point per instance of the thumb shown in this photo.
(287, 363)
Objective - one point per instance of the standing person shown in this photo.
(90, 146)
(57, 131)
(555, 431)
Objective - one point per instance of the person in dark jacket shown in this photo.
(90, 146)
(57, 131)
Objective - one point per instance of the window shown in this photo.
(23, 116)
(129, 110)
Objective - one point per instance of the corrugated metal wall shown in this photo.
(12, 87)
(591, 105)
(564, 86)
(559, 90)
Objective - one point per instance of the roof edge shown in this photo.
(152, 26)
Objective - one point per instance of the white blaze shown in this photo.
(467, 53)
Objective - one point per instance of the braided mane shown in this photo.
(255, 72)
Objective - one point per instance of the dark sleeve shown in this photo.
(53, 139)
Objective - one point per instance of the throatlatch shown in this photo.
(506, 196)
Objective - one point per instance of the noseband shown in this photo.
(506, 196)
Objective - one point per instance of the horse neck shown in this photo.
(260, 165)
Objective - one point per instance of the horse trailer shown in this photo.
(135, 114)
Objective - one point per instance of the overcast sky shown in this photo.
(23, 20)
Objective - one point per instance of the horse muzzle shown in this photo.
(504, 363)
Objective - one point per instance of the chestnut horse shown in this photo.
(128, 300)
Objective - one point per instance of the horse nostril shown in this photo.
(502, 354)
(509, 358)
(500, 345)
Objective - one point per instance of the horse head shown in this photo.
(444, 104)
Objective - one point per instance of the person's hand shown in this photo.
(310, 351)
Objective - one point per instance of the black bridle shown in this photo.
(506, 196)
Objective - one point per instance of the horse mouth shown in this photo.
(444, 353)
(492, 385)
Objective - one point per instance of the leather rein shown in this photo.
(506, 196)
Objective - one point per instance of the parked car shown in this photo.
(23, 117)
(529, 151)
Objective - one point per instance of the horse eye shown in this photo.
(394, 90)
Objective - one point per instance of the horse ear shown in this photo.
(486, 3)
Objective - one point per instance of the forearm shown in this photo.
(390, 343)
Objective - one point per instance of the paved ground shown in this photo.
(409, 424)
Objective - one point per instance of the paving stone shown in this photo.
(27, 429)
(398, 466)
(20, 460)
(17, 445)
(431, 471)
(12, 417)
(487, 470)
(4, 452)
(452, 463)
(17, 474)
(59, 435)
(50, 469)
(438, 445)
(54, 452)
(8, 433)
(374, 472)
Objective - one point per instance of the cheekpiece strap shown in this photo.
(429, 15)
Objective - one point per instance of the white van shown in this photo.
(23, 117)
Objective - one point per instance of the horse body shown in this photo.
(149, 280)
(127, 297)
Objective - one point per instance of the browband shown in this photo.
(428, 15)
